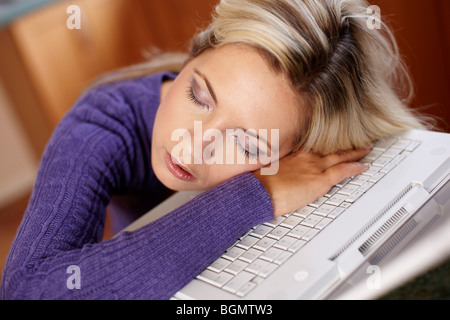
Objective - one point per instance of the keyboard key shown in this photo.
(336, 200)
(271, 254)
(392, 152)
(257, 266)
(267, 270)
(304, 212)
(261, 231)
(324, 209)
(384, 144)
(219, 265)
(283, 257)
(354, 196)
(381, 161)
(246, 234)
(257, 279)
(291, 222)
(246, 288)
(366, 186)
(236, 267)
(376, 178)
(285, 242)
(371, 171)
(216, 279)
(278, 232)
(311, 220)
(399, 158)
(332, 192)
(264, 244)
(345, 205)
(297, 246)
(233, 253)
(299, 231)
(388, 167)
(343, 182)
(372, 155)
(275, 222)
(247, 242)
(348, 189)
(238, 281)
(412, 146)
(318, 202)
(401, 144)
(250, 255)
(323, 223)
(310, 234)
(358, 180)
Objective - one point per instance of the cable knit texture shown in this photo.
(101, 149)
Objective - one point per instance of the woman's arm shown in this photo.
(304, 177)
(101, 147)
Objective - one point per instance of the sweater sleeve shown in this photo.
(98, 149)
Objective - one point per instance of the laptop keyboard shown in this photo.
(266, 247)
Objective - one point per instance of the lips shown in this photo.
(177, 170)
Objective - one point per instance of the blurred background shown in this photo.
(44, 67)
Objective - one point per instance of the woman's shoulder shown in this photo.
(117, 97)
(150, 84)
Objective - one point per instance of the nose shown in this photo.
(182, 151)
(207, 143)
(203, 143)
(195, 144)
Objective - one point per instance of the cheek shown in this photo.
(168, 111)
(170, 115)
(176, 97)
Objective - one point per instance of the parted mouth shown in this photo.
(177, 169)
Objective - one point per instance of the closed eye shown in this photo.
(198, 96)
(191, 96)
(243, 144)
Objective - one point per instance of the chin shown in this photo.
(166, 179)
(172, 183)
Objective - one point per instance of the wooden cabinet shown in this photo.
(422, 29)
(45, 66)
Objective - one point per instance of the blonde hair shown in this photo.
(353, 84)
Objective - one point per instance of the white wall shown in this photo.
(18, 165)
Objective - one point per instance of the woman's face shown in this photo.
(226, 113)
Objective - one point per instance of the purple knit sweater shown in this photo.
(99, 150)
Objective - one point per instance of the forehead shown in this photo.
(249, 90)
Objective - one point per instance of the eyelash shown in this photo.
(193, 98)
(247, 153)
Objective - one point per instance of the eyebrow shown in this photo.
(208, 84)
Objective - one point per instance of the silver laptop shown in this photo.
(315, 251)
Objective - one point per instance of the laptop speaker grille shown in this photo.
(392, 243)
(367, 227)
(365, 247)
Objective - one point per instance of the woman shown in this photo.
(311, 71)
